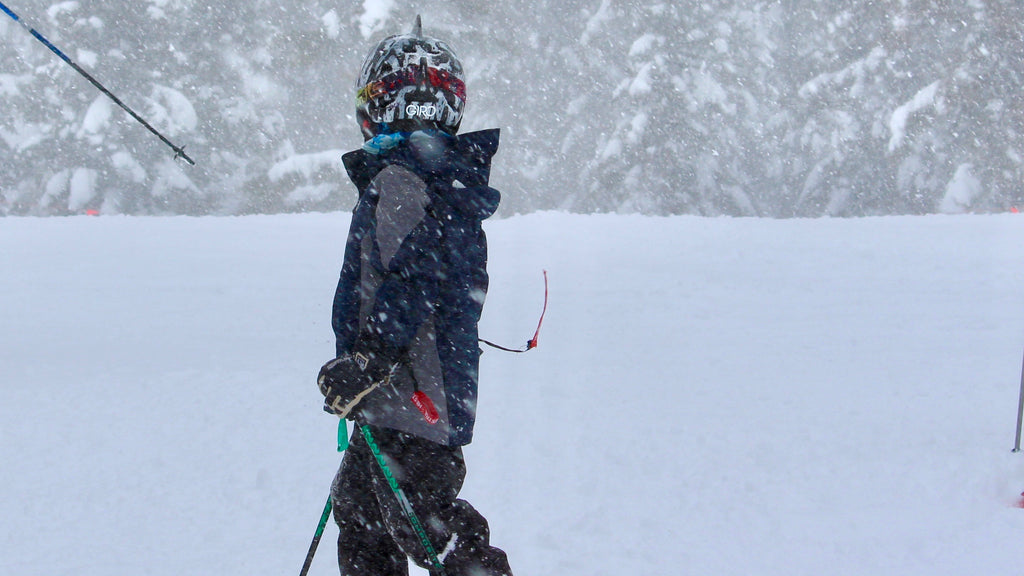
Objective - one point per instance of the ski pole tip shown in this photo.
(179, 152)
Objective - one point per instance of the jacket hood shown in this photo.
(457, 168)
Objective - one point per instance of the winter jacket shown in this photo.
(414, 277)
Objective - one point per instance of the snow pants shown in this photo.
(376, 537)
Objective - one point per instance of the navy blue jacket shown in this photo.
(414, 277)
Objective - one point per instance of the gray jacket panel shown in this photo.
(402, 201)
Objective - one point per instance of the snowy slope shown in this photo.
(710, 396)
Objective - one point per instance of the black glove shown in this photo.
(347, 379)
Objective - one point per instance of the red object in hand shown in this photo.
(426, 406)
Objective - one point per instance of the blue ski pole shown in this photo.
(179, 151)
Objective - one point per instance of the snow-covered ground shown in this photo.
(710, 396)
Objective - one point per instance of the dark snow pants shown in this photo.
(376, 537)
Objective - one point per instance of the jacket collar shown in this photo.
(461, 163)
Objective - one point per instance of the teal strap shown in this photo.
(342, 435)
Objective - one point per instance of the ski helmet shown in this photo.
(410, 82)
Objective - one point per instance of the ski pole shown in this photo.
(316, 537)
(179, 151)
(342, 446)
(1020, 411)
(406, 506)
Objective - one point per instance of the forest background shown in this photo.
(785, 108)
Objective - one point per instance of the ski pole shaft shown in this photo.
(403, 502)
(316, 537)
(342, 446)
(179, 151)
(1020, 411)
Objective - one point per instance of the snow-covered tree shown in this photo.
(772, 107)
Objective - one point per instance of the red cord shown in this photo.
(533, 341)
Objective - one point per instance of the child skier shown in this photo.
(405, 317)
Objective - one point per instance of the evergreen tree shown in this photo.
(773, 107)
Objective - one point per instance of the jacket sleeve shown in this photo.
(345, 309)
